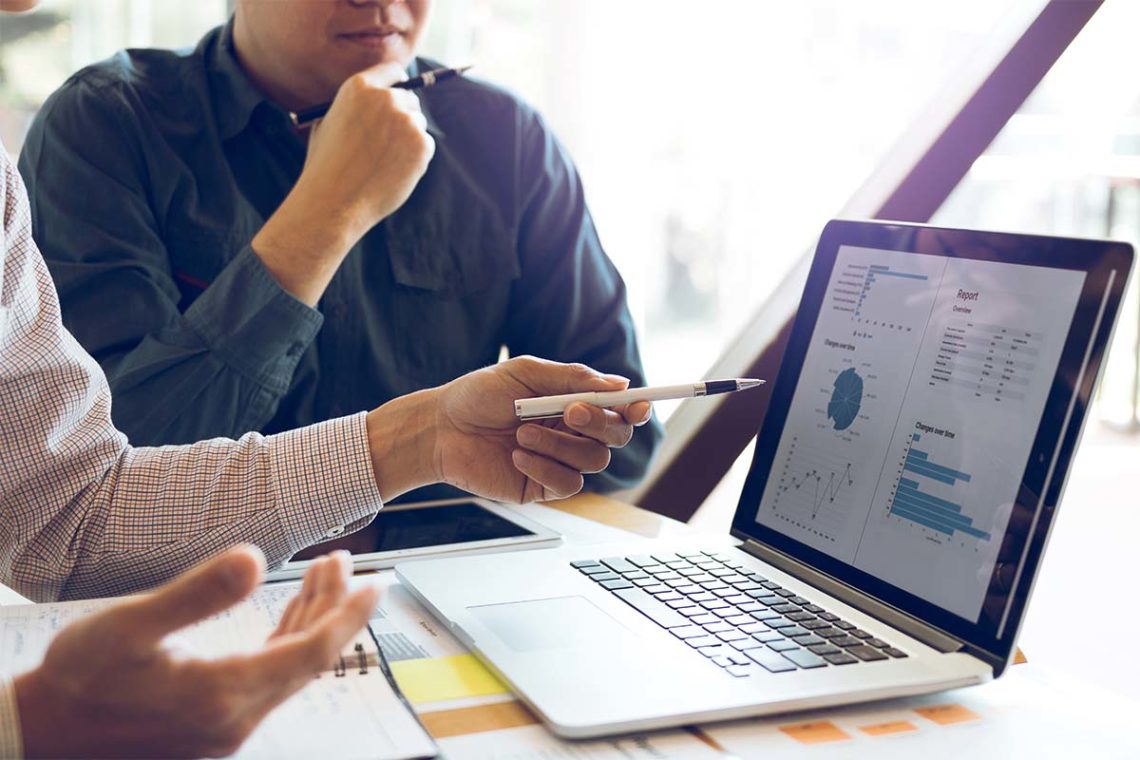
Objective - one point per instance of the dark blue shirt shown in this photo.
(150, 173)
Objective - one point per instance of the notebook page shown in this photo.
(350, 717)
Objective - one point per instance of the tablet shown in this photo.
(446, 528)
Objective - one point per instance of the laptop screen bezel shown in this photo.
(1106, 265)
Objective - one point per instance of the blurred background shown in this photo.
(715, 139)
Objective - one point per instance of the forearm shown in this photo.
(304, 243)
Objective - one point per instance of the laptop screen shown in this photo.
(923, 367)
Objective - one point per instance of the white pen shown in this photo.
(548, 407)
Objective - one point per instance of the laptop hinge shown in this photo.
(932, 637)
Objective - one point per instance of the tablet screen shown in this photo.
(465, 522)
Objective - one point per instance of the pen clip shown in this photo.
(535, 418)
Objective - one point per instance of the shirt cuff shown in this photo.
(11, 740)
(324, 479)
(254, 324)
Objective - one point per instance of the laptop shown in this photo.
(887, 537)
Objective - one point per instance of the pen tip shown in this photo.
(748, 382)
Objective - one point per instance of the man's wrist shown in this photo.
(302, 245)
(402, 442)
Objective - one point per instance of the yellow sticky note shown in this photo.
(435, 679)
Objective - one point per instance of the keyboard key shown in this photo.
(713, 585)
(805, 659)
(715, 604)
(641, 560)
(771, 585)
(679, 602)
(657, 588)
(747, 585)
(784, 609)
(617, 583)
(750, 607)
(793, 631)
(619, 564)
(690, 555)
(704, 619)
(595, 570)
(755, 577)
(702, 577)
(723, 662)
(733, 635)
(717, 650)
(814, 608)
(841, 658)
(703, 641)
(859, 633)
(606, 576)
(645, 582)
(823, 649)
(799, 616)
(690, 612)
(654, 569)
(843, 624)
(704, 596)
(770, 661)
(718, 627)
(668, 596)
(581, 563)
(670, 575)
(687, 632)
(828, 616)
(866, 653)
(781, 623)
(895, 652)
(688, 589)
(846, 641)
(738, 658)
(751, 627)
(783, 645)
(637, 575)
(740, 620)
(675, 582)
(727, 612)
(878, 643)
(740, 671)
(815, 625)
(688, 572)
(784, 592)
(828, 633)
(809, 640)
(746, 643)
(765, 636)
(656, 611)
(763, 615)
(727, 591)
(733, 579)
(799, 600)
(738, 599)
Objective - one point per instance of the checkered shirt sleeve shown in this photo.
(84, 514)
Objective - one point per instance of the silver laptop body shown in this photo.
(888, 534)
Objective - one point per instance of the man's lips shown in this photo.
(372, 37)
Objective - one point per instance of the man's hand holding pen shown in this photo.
(364, 159)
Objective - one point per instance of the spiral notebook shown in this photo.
(352, 710)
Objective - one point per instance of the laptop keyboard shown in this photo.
(738, 619)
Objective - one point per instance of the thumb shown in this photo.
(547, 378)
(206, 590)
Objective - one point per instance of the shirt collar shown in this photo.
(236, 97)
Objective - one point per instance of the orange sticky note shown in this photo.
(890, 727)
(946, 715)
(816, 732)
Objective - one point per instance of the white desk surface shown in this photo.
(1034, 711)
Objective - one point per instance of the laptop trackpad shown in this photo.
(560, 623)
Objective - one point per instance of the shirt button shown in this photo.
(334, 532)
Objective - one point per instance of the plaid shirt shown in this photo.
(84, 514)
